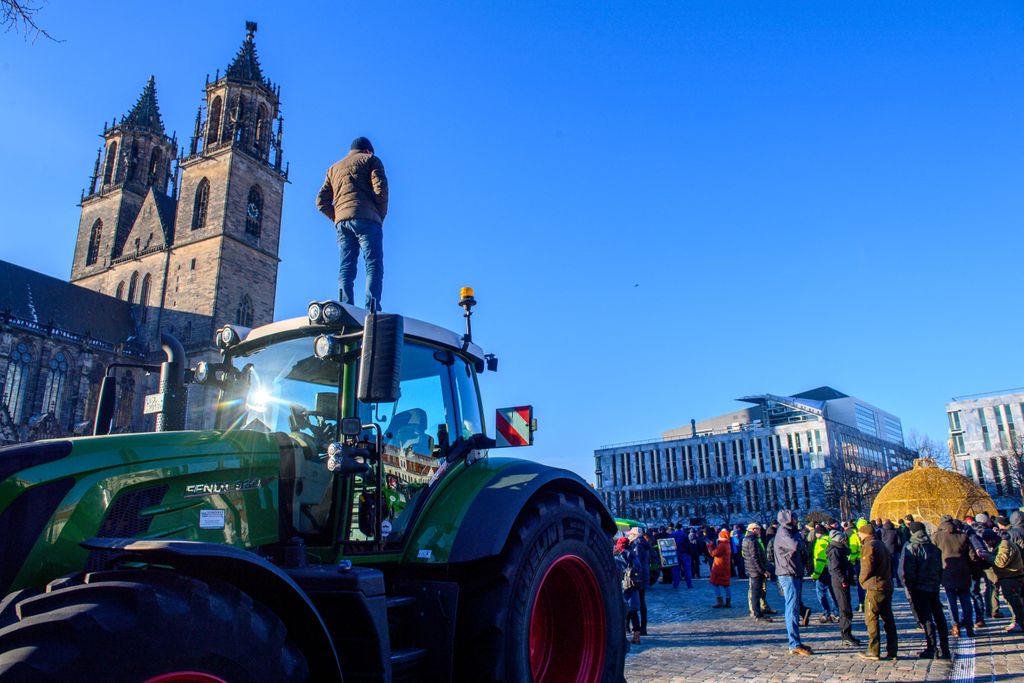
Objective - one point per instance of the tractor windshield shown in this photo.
(284, 388)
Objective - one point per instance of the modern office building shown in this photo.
(985, 445)
(819, 450)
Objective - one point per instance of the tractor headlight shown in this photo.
(314, 312)
(202, 372)
(331, 312)
(227, 337)
(324, 346)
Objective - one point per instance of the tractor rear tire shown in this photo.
(549, 608)
(139, 626)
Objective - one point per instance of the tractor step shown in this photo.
(402, 660)
(399, 601)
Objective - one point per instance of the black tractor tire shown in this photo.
(138, 625)
(531, 614)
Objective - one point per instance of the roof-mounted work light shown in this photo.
(324, 312)
(227, 337)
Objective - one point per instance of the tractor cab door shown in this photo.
(438, 404)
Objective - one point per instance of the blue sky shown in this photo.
(662, 205)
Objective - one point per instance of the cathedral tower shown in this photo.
(223, 267)
(135, 159)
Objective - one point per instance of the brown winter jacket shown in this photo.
(355, 187)
(956, 553)
(875, 566)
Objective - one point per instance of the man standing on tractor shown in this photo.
(355, 197)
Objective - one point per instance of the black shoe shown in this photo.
(944, 655)
(851, 641)
(763, 619)
(926, 653)
(643, 632)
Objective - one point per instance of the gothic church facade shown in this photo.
(170, 240)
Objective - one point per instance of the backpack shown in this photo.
(630, 575)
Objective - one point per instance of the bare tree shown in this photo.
(1011, 463)
(20, 16)
(927, 447)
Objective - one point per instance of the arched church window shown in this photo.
(93, 252)
(144, 294)
(133, 162)
(108, 169)
(261, 129)
(16, 381)
(133, 287)
(243, 316)
(254, 211)
(125, 400)
(56, 378)
(154, 166)
(120, 290)
(200, 204)
(213, 124)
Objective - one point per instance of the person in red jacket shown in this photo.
(721, 565)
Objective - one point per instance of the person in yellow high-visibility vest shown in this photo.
(854, 539)
(821, 577)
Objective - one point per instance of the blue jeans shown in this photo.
(824, 591)
(684, 564)
(792, 586)
(366, 236)
(723, 592)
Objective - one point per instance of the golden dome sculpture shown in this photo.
(928, 492)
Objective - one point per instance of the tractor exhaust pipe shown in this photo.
(171, 417)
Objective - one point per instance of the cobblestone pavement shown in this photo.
(689, 641)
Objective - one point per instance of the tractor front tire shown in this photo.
(549, 608)
(142, 626)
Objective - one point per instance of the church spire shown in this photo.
(145, 115)
(246, 65)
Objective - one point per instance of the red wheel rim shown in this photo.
(185, 677)
(567, 625)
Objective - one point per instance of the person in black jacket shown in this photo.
(755, 563)
(893, 543)
(642, 547)
(840, 571)
(921, 573)
(956, 574)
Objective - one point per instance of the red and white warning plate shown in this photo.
(514, 426)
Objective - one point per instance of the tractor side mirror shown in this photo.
(380, 366)
(514, 427)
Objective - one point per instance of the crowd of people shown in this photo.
(978, 562)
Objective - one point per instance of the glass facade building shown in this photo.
(985, 445)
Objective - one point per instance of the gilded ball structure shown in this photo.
(928, 492)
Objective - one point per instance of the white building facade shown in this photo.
(819, 450)
(985, 443)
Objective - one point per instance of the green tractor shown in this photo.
(344, 521)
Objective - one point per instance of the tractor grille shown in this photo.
(124, 521)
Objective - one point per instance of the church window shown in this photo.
(108, 169)
(56, 378)
(15, 381)
(133, 161)
(144, 294)
(125, 401)
(199, 206)
(254, 211)
(213, 125)
(120, 290)
(261, 129)
(243, 316)
(93, 252)
(154, 166)
(133, 287)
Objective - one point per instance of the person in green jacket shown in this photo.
(854, 539)
(821, 577)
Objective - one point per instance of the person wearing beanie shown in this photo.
(683, 568)
(1007, 573)
(921, 572)
(642, 547)
(354, 197)
(890, 536)
(628, 565)
(755, 563)
(820, 575)
(789, 566)
(721, 568)
(841, 575)
(876, 579)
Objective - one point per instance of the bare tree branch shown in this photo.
(20, 16)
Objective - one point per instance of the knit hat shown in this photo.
(753, 526)
(863, 524)
(723, 535)
(361, 144)
(982, 518)
(916, 526)
(820, 529)
(621, 543)
(1003, 521)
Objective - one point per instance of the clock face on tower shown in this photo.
(253, 210)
